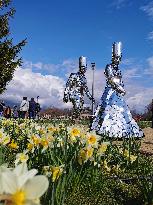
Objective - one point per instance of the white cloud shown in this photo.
(118, 4)
(26, 83)
(38, 65)
(150, 61)
(149, 69)
(131, 73)
(99, 81)
(148, 9)
(150, 36)
(128, 61)
(67, 66)
(138, 97)
(50, 88)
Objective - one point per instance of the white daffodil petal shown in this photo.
(9, 182)
(36, 187)
(3, 168)
(1, 185)
(29, 203)
(25, 177)
(20, 169)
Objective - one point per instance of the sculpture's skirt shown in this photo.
(113, 117)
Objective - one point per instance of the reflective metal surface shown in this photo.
(112, 116)
(82, 61)
(76, 86)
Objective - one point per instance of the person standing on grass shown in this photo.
(24, 108)
(15, 112)
(32, 109)
(7, 112)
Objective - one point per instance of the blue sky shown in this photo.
(58, 32)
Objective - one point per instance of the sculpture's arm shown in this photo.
(67, 88)
(114, 80)
(118, 87)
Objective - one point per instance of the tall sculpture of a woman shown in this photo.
(112, 116)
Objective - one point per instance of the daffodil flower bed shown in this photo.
(69, 156)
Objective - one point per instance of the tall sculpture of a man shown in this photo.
(75, 88)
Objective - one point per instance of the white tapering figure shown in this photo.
(112, 116)
(76, 86)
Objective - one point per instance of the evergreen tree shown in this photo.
(9, 59)
(148, 112)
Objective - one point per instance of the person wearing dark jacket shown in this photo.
(15, 112)
(32, 108)
(7, 112)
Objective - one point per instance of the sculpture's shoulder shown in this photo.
(109, 70)
(73, 75)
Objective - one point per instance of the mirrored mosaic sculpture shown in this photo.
(112, 116)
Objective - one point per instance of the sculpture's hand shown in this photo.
(124, 92)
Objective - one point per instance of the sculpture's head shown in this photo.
(82, 64)
(116, 53)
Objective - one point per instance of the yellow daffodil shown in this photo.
(89, 152)
(82, 156)
(92, 139)
(18, 198)
(42, 131)
(102, 148)
(1, 133)
(85, 154)
(46, 170)
(21, 157)
(56, 172)
(17, 130)
(22, 126)
(126, 153)
(13, 145)
(51, 129)
(6, 140)
(44, 142)
(36, 139)
(30, 147)
(129, 156)
(108, 169)
(50, 137)
(74, 131)
(133, 158)
(115, 168)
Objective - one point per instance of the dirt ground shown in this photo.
(147, 141)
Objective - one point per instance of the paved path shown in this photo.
(147, 141)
